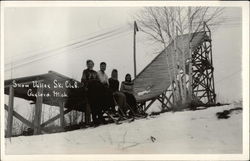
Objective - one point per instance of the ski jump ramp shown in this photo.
(154, 79)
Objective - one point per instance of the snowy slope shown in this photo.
(180, 132)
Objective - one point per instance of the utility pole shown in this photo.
(135, 30)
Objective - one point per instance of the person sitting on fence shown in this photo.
(127, 87)
(119, 97)
(92, 88)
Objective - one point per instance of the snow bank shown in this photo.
(169, 133)
(143, 92)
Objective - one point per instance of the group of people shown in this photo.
(104, 96)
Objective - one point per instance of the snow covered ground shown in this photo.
(196, 132)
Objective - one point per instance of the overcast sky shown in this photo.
(31, 31)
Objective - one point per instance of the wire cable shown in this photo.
(69, 45)
(60, 52)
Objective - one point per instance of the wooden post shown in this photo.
(38, 112)
(212, 74)
(10, 112)
(162, 100)
(62, 115)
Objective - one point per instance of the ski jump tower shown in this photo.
(154, 82)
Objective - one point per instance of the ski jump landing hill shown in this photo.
(151, 84)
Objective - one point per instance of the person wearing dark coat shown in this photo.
(93, 88)
(127, 87)
(89, 74)
(108, 100)
(120, 97)
(113, 81)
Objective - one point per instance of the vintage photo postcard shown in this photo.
(142, 80)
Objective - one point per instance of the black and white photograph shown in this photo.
(116, 79)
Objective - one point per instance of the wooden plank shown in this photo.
(10, 112)
(38, 112)
(62, 115)
(55, 118)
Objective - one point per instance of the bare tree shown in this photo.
(164, 24)
(157, 21)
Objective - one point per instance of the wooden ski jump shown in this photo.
(154, 83)
(151, 84)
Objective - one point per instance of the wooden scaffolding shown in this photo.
(155, 77)
(203, 70)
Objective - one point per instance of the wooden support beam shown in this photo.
(62, 115)
(38, 112)
(161, 99)
(200, 90)
(21, 118)
(168, 100)
(198, 83)
(55, 118)
(163, 104)
(10, 112)
(203, 65)
(201, 81)
(152, 101)
(203, 95)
